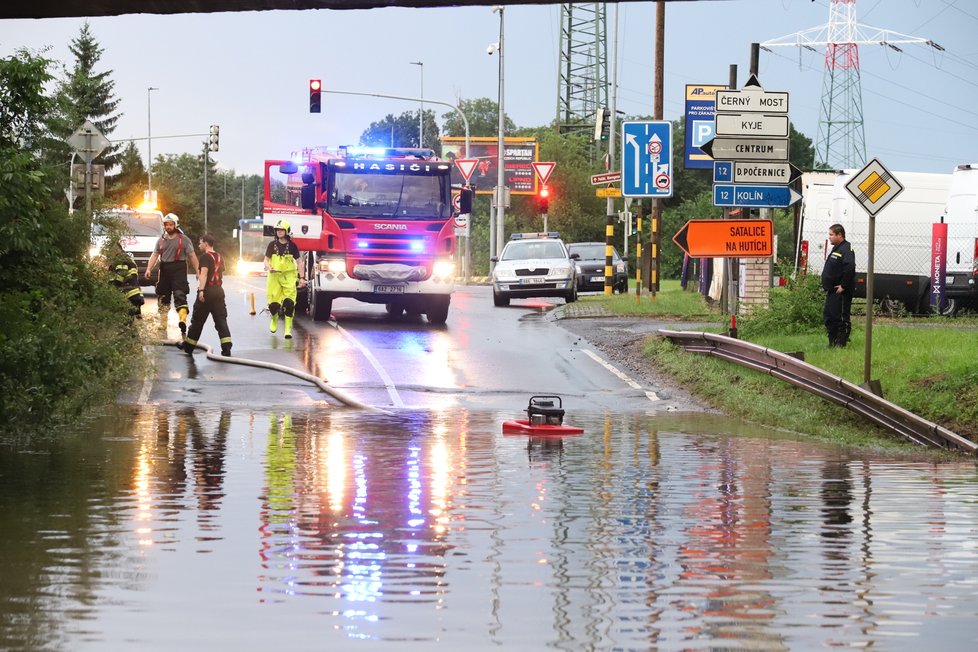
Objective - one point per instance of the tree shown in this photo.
(82, 94)
(401, 131)
(483, 117)
(126, 187)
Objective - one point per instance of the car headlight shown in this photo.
(560, 271)
(577, 268)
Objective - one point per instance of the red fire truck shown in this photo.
(373, 224)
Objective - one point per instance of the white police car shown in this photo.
(534, 265)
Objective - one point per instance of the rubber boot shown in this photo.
(183, 321)
(226, 350)
(273, 327)
(288, 328)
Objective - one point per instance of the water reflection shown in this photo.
(254, 529)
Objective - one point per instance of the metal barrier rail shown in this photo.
(821, 383)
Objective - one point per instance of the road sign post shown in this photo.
(89, 142)
(873, 187)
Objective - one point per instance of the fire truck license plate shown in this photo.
(389, 289)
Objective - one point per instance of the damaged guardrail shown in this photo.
(821, 383)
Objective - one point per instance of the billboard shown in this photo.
(700, 124)
(518, 157)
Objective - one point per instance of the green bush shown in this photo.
(66, 340)
(794, 308)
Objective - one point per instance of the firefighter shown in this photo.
(210, 298)
(173, 251)
(124, 275)
(282, 265)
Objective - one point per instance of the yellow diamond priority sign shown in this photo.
(874, 187)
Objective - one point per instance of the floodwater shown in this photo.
(166, 528)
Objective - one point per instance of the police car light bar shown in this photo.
(525, 236)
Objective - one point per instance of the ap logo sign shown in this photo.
(702, 131)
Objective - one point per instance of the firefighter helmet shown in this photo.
(171, 217)
(282, 224)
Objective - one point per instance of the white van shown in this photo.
(962, 234)
(902, 249)
(141, 230)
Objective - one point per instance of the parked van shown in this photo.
(902, 250)
(141, 230)
(962, 232)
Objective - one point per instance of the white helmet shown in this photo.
(171, 217)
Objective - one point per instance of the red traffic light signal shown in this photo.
(543, 199)
(315, 91)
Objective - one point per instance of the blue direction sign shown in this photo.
(757, 196)
(646, 158)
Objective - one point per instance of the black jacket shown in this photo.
(840, 268)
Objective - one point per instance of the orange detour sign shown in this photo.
(727, 238)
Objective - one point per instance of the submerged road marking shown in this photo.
(652, 396)
(374, 362)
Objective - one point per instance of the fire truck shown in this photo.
(373, 224)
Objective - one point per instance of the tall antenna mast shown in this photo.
(841, 140)
(582, 78)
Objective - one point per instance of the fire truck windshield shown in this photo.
(395, 196)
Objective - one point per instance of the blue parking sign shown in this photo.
(646, 158)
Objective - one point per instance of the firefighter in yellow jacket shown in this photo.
(284, 270)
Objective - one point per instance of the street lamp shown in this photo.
(149, 138)
(421, 110)
(500, 175)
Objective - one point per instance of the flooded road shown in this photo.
(176, 527)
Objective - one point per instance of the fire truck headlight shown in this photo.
(335, 265)
(362, 244)
(444, 268)
(417, 246)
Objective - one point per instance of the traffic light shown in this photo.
(602, 123)
(465, 200)
(214, 142)
(543, 200)
(315, 91)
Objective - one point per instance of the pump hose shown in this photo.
(318, 382)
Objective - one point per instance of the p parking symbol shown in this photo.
(703, 131)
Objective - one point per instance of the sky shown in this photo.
(248, 72)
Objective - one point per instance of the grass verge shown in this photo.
(924, 365)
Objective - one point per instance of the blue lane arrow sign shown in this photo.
(728, 194)
(646, 158)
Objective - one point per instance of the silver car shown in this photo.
(534, 265)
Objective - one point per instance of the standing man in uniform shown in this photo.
(210, 298)
(838, 281)
(173, 251)
(282, 265)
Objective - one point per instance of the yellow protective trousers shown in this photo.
(281, 290)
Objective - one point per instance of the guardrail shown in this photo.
(821, 383)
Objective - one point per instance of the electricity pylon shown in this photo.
(841, 140)
(582, 79)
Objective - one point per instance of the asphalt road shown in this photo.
(484, 357)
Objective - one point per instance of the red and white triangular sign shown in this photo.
(543, 170)
(466, 166)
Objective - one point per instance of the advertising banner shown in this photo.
(938, 265)
(700, 124)
(518, 157)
